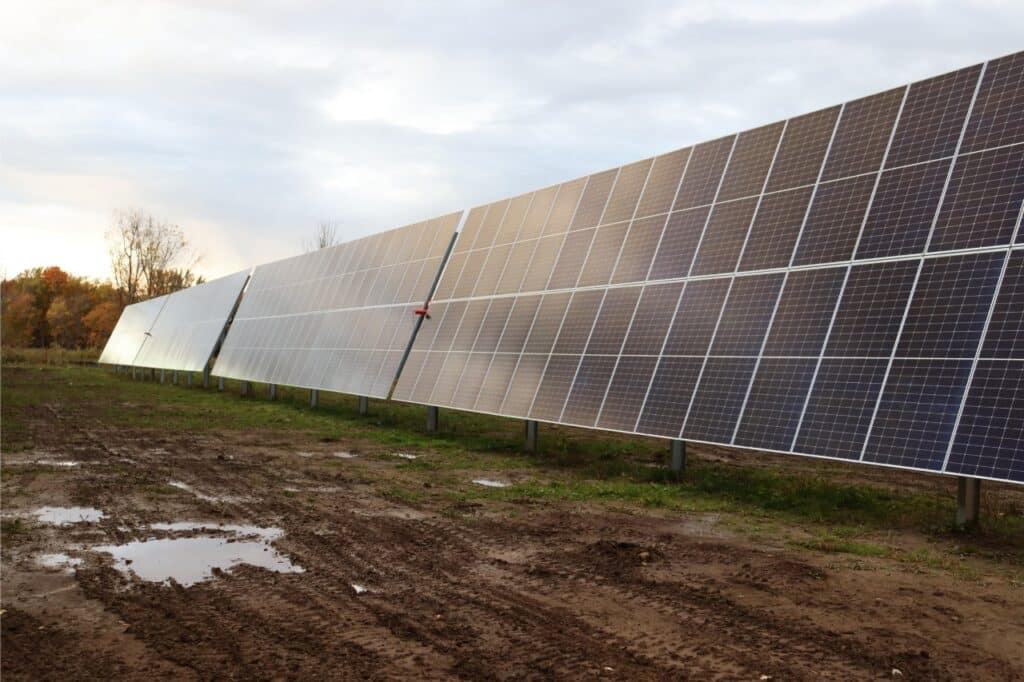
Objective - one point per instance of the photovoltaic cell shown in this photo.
(901, 214)
(802, 149)
(776, 402)
(983, 200)
(775, 230)
(719, 397)
(804, 312)
(679, 243)
(933, 117)
(834, 221)
(840, 407)
(950, 304)
(626, 392)
(1005, 336)
(990, 439)
(704, 172)
(842, 284)
(917, 412)
(723, 240)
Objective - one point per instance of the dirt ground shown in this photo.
(449, 587)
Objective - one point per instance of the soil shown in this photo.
(454, 588)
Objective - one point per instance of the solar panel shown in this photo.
(338, 319)
(192, 321)
(843, 284)
(130, 332)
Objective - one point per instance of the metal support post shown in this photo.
(163, 378)
(532, 433)
(174, 377)
(968, 502)
(246, 389)
(314, 397)
(677, 462)
(206, 377)
(272, 391)
(188, 379)
(220, 383)
(152, 373)
(364, 405)
(433, 412)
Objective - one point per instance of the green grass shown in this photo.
(573, 465)
(57, 357)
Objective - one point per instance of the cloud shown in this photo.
(248, 124)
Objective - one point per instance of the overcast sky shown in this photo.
(247, 123)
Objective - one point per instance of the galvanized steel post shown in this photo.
(532, 435)
(677, 462)
(968, 502)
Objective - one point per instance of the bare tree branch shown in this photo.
(144, 252)
(326, 235)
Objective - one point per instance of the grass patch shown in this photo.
(573, 464)
(844, 547)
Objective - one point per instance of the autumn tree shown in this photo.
(47, 306)
(100, 321)
(148, 257)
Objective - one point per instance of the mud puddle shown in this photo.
(181, 485)
(58, 560)
(66, 516)
(194, 559)
(491, 483)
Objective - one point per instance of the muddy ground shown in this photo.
(449, 586)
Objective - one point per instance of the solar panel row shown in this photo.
(185, 333)
(130, 331)
(178, 331)
(842, 284)
(337, 319)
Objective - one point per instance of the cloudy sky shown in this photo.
(247, 123)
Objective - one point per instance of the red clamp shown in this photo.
(424, 311)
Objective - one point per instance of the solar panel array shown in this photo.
(191, 322)
(130, 332)
(846, 284)
(338, 319)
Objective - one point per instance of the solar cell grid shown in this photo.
(724, 236)
(773, 408)
(818, 286)
(776, 229)
(718, 399)
(803, 149)
(983, 200)
(621, 406)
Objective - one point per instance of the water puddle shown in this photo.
(65, 463)
(189, 489)
(344, 455)
(490, 483)
(62, 561)
(404, 455)
(359, 589)
(65, 516)
(307, 455)
(180, 485)
(194, 559)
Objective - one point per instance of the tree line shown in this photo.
(46, 306)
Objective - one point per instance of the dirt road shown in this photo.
(435, 586)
